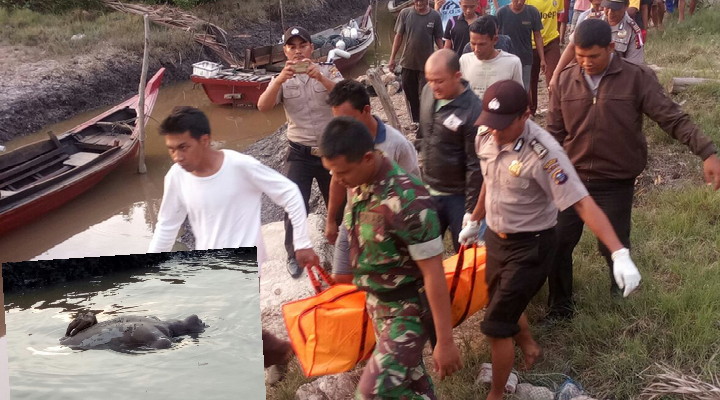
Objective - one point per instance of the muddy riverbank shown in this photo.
(37, 90)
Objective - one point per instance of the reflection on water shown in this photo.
(222, 362)
(118, 215)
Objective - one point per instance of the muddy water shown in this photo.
(223, 362)
(118, 215)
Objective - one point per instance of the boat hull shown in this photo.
(223, 91)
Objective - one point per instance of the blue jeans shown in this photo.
(451, 209)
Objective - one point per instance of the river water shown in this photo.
(117, 216)
(223, 362)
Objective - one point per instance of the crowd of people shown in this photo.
(478, 161)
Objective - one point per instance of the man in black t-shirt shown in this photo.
(457, 31)
(521, 22)
(418, 30)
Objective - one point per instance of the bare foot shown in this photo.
(532, 352)
(495, 396)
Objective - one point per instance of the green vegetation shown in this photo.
(612, 346)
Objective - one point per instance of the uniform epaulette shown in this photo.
(538, 148)
(638, 33)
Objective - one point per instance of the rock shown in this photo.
(526, 391)
(583, 397)
(77, 36)
(277, 287)
(330, 387)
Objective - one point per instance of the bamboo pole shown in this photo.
(142, 168)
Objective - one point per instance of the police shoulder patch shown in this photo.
(551, 164)
(538, 148)
(559, 176)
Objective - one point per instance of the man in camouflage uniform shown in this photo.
(395, 251)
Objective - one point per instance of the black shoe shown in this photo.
(294, 268)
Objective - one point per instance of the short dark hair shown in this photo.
(345, 136)
(485, 25)
(593, 32)
(349, 90)
(183, 119)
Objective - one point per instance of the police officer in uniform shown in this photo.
(625, 33)
(302, 86)
(527, 178)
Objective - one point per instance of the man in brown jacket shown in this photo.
(596, 113)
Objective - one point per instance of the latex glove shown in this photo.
(625, 272)
(466, 219)
(469, 234)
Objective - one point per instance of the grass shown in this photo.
(51, 33)
(612, 346)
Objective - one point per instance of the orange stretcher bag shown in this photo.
(331, 331)
(465, 275)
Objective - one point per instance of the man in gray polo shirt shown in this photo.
(528, 178)
(417, 29)
(350, 99)
(302, 87)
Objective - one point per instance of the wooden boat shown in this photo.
(243, 86)
(42, 176)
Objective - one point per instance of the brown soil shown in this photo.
(37, 90)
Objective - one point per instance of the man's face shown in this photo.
(519, 4)
(483, 46)
(594, 60)
(614, 17)
(351, 174)
(422, 6)
(187, 151)
(511, 132)
(468, 8)
(297, 49)
(347, 110)
(443, 83)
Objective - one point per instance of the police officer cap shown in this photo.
(615, 4)
(502, 103)
(296, 31)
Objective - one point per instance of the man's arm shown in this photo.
(540, 49)
(567, 56)
(328, 82)
(473, 175)
(397, 41)
(555, 119)
(285, 193)
(673, 120)
(634, 54)
(336, 200)
(170, 217)
(446, 353)
(598, 223)
(269, 98)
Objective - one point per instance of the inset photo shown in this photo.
(182, 325)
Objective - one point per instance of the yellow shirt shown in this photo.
(549, 10)
(635, 3)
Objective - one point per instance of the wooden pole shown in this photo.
(374, 77)
(142, 168)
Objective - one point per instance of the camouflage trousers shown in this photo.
(396, 369)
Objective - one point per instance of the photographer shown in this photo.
(302, 87)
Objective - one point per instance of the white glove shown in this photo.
(466, 219)
(469, 234)
(625, 272)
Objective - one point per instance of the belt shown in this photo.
(519, 235)
(312, 150)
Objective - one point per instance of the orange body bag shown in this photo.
(331, 331)
(465, 275)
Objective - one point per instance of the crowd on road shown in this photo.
(480, 169)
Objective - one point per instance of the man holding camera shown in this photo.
(302, 87)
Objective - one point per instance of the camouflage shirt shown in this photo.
(392, 222)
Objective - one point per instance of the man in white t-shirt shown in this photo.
(487, 65)
(220, 191)
(350, 99)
